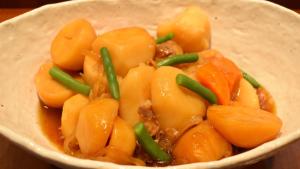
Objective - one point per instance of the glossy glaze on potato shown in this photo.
(128, 47)
(70, 113)
(95, 124)
(139, 79)
(244, 127)
(51, 92)
(200, 144)
(71, 42)
(191, 29)
(164, 95)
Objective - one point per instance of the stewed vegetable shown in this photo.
(165, 38)
(126, 98)
(196, 87)
(191, 29)
(128, 47)
(68, 45)
(110, 73)
(68, 81)
(251, 80)
(51, 92)
(149, 144)
(177, 59)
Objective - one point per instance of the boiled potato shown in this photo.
(94, 75)
(191, 29)
(51, 92)
(244, 127)
(95, 124)
(122, 137)
(70, 113)
(138, 80)
(128, 47)
(174, 106)
(69, 44)
(247, 95)
(92, 68)
(199, 144)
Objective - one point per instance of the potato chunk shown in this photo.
(122, 137)
(201, 143)
(191, 29)
(70, 113)
(244, 126)
(138, 80)
(247, 95)
(51, 92)
(174, 106)
(92, 68)
(69, 44)
(94, 75)
(95, 125)
(128, 47)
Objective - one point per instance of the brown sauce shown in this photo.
(50, 124)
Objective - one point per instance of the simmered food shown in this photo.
(95, 123)
(191, 29)
(51, 92)
(128, 47)
(165, 104)
(244, 126)
(69, 44)
(126, 97)
(139, 79)
(201, 143)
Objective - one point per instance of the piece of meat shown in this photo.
(148, 117)
(100, 87)
(166, 49)
(266, 101)
(142, 155)
(165, 138)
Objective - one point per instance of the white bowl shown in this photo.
(261, 37)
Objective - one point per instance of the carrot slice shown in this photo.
(212, 78)
(231, 71)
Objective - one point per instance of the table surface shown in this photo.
(12, 157)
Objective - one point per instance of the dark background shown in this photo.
(36, 3)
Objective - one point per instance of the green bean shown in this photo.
(110, 73)
(68, 81)
(251, 80)
(177, 59)
(163, 39)
(149, 145)
(193, 85)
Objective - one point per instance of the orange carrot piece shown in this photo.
(231, 71)
(212, 78)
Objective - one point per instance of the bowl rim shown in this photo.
(61, 158)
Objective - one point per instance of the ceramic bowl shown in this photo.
(261, 37)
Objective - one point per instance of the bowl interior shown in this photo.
(262, 38)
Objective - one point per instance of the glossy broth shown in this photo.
(50, 124)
